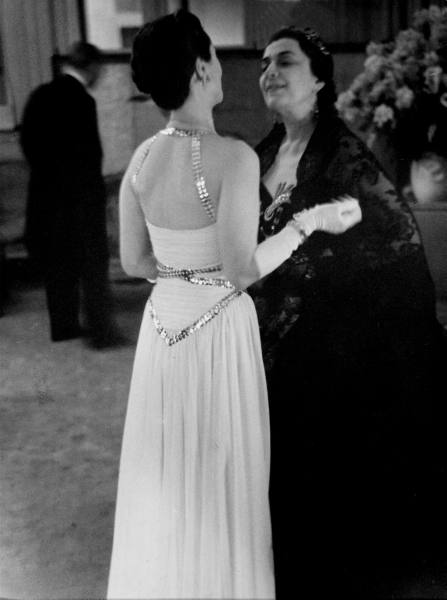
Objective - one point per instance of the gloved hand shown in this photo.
(332, 217)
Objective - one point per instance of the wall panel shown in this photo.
(31, 33)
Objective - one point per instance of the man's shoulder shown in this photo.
(42, 90)
(65, 81)
(50, 88)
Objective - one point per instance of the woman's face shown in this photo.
(287, 82)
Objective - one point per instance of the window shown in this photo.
(128, 6)
(111, 25)
(6, 113)
(127, 36)
(2, 78)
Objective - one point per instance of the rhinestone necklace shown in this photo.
(183, 129)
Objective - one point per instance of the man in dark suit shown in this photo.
(66, 211)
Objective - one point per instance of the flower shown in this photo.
(383, 114)
(404, 97)
(433, 76)
(374, 64)
(398, 74)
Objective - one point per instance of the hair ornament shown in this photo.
(315, 39)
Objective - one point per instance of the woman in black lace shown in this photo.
(352, 349)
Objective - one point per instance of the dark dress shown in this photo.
(66, 211)
(352, 349)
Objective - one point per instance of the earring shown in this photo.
(316, 111)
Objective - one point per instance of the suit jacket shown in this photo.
(60, 140)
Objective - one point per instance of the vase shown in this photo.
(428, 178)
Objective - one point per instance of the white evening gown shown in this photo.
(192, 516)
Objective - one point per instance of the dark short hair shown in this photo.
(82, 54)
(164, 56)
(321, 62)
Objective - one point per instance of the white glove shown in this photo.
(276, 249)
(332, 217)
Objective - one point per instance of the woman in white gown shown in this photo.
(192, 516)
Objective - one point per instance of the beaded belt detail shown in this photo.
(194, 275)
(173, 338)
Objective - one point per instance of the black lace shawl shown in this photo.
(373, 276)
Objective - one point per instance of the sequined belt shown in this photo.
(195, 277)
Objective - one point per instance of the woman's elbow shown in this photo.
(131, 264)
(144, 266)
(237, 282)
(243, 277)
(130, 268)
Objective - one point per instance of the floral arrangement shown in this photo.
(398, 74)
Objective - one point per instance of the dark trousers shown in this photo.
(75, 264)
(71, 285)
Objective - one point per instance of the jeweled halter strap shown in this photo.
(194, 276)
(199, 180)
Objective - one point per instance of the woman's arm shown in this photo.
(136, 253)
(244, 260)
(238, 217)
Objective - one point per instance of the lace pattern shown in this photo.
(335, 162)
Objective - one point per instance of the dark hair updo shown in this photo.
(164, 56)
(321, 63)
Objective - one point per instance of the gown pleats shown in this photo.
(192, 517)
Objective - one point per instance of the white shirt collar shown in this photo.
(67, 70)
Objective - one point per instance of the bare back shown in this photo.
(167, 180)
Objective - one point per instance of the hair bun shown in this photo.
(164, 56)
